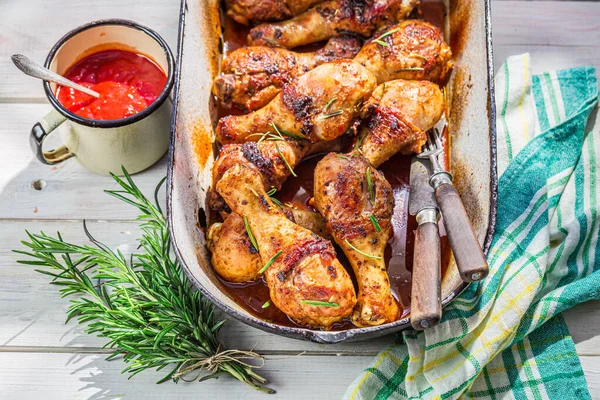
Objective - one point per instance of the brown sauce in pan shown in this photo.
(298, 190)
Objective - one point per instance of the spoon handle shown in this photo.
(30, 68)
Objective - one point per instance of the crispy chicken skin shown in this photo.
(266, 158)
(396, 117)
(234, 257)
(253, 76)
(257, 11)
(415, 50)
(332, 18)
(306, 269)
(319, 106)
(343, 197)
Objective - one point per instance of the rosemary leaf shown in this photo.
(330, 115)
(375, 223)
(271, 261)
(362, 252)
(329, 103)
(416, 55)
(285, 160)
(144, 305)
(282, 133)
(267, 304)
(319, 303)
(412, 69)
(386, 34)
(250, 234)
(370, 186)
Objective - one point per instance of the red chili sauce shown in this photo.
(127, 83)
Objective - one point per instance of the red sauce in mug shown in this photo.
(127, 83)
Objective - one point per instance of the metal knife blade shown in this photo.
(421, 195)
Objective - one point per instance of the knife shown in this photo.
(426, 307)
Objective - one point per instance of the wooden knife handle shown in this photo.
(469, 257)
(426, 306)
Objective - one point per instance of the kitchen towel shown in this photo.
(504, 337)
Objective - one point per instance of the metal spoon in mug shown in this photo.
(37, 71)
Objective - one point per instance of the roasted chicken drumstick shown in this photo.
(256, 11)
(396, 117)
(234, 257)
(332, 18)
(412, 49)
(305, 279)
(356, 200)
(252, 76)
(318, 106)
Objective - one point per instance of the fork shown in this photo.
(468, 254)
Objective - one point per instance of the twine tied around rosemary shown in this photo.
(217, 361)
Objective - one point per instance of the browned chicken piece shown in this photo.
(320, 105)
(253, 76)
(356, 202)
(305, 279)
(275, 160)
(396, 117)
(332, 18)
(257, 11)
(234, 257)
(412, 49)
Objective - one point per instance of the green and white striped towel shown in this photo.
(545, 258)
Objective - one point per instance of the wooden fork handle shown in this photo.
(469, 257)
(426, 306)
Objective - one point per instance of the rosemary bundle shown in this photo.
(145, 306)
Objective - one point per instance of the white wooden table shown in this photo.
(41, 357)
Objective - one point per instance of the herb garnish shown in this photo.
(386, 34)
(144, 305)
(330, 115)
(285, 160)
(362, 252)
(370, 186)
(267, 304)
(412, 69)
(250, 234)
(282, 133)
(375, 223)
(416, 55)
(270, 193)
(319, 303)
(329, 103)
(271, 261)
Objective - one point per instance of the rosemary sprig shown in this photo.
(416, 55)
(375, 223)
(267, 304)
(271, 261)
(370, 186)
(386, 34)
(319, 303)
(144, 305)
(329, 103)
(250, 234)
(283, 133)
(270, 193)
(362, 252)
(330, 115)
(285, 160)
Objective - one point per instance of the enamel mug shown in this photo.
(135, 142)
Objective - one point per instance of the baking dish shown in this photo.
(193, 149)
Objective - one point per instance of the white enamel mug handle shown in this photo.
(40, 131)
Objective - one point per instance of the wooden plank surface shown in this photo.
(39, 354)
